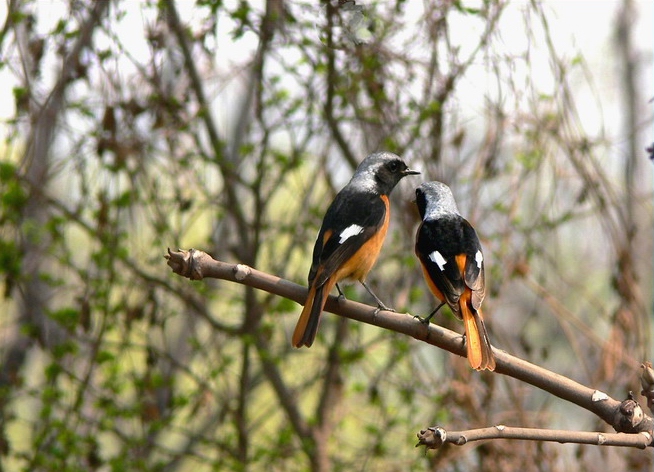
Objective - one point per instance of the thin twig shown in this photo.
(435, 437)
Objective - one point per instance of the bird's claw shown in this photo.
(381, 307)
(424, 320)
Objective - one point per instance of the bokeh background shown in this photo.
(130, 127)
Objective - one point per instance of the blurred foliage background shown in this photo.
(130, 127)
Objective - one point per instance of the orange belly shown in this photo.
(358, 266)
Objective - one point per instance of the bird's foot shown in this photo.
(381, 306)
(424, 320)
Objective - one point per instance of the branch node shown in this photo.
(647, 382)
(241, 271)
(500, 427)
(599, 396)
(630, 415)
(601, 439)
(432, 437)
(185, 263)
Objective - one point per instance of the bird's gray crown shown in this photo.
(439, 200)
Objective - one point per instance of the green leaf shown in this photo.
(104, 356)
(67, 317)
(7, 171)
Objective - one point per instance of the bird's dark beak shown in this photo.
(410, 172)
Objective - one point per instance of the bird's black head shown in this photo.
(383, 170)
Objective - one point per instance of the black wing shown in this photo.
(475, 276)
(438, 244)
(364, 209)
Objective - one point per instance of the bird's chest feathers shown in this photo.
(358, 266)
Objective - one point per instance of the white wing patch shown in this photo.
(479, 258)
(438, 258)
(350, 231)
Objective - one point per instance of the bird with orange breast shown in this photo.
(351, 236)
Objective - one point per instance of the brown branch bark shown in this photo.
(626, 416)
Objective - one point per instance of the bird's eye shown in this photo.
(394, 166)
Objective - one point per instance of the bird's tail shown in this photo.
(480, 354)
(307, 325)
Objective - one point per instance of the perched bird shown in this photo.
(453, 266)
(351, 236)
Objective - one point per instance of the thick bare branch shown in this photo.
(197, 265)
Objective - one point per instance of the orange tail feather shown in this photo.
(480, 354)
(307, 325)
